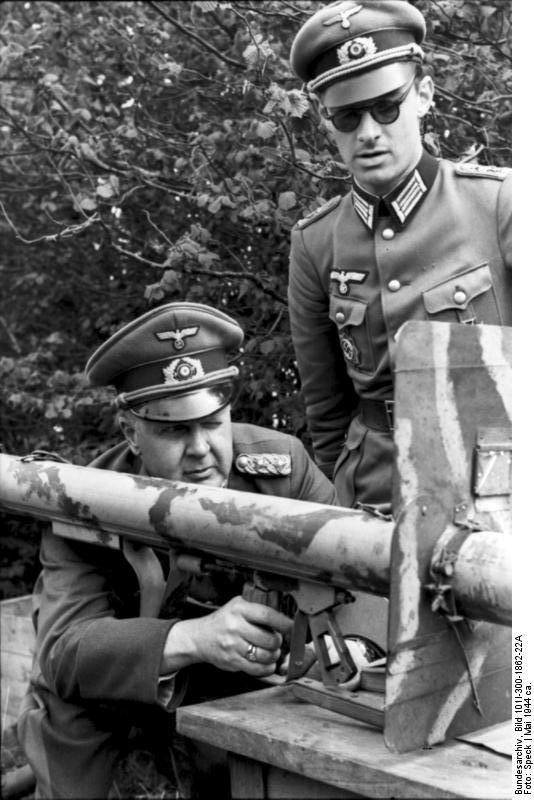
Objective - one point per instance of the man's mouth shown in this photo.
(199, 473)
(369, 155)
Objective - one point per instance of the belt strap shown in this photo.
(377, 414)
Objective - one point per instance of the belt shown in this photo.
(377, 414)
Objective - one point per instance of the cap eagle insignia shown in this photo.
(343, 17)
(178, 335)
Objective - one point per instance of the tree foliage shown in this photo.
(158, 151)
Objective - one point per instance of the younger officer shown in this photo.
(99, 665)
(414, 238)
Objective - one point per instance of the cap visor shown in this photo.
(188, 406)
(367, 86)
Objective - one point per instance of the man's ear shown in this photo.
(322, 123)
(425, 95)
(129, 431)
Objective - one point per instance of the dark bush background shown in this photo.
(158, 151)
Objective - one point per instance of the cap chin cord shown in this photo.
(222, 395)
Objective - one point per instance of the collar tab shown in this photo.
(403, 201)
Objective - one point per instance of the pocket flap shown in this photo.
(459, 291)
(347, 312)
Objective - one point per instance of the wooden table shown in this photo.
(280, 747)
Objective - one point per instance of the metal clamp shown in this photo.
(444, 602)
(441, 571)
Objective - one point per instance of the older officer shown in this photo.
(414, 238)
(100, 664)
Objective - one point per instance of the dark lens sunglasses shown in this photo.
(382, 111)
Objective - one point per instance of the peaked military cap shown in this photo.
(370, 40)
(170, 364)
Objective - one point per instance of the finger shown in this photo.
(269, 617)
(257, 670)
(259, 655)
(261, 637)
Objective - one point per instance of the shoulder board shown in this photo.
(270, 464)
(467, 170)
(317, 213)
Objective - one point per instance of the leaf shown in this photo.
(207, 259)
(202, 200)
(257, 50)
(85, 202)
(170, 280)
(206, 5)
(105, 190)
(487, 11)
(87, 151)
(267, 347)
(298, 103)
(84, 113)
(215, 205)
(266, 129)
(153, 292)
(287, 200)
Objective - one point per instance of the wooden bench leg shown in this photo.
(246, 778)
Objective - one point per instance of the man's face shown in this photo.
(379, 155)
(197, 451)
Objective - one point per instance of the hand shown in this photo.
(223, 638)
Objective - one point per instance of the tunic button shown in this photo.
(460, 296)
(340, 316)
(388, 233)
(394, 286)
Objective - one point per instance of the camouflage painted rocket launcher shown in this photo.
(444, 565)
(288, 537)
(339, 547)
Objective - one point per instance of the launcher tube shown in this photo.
(294, 538)
(308, 541)
(482, 579)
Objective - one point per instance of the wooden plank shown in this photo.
(17, 640)
(17, 606)
(365, 706)
(11, 698)
(284, 785)
(273, 727)
(15, 666)
(17, 635)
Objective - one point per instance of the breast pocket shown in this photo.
(468, 297)
(351, 319)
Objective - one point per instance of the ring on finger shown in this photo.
(252, 652)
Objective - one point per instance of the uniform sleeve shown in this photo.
(84, 651)
(504, 220)
(328, 393)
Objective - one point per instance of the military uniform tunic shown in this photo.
(97, 662)
(438, 248)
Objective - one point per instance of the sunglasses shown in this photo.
(385, 112)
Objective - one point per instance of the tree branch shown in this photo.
(249, 276)
(11, 336)
(70, 230)
(194, 37)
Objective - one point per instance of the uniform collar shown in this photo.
(402, 202)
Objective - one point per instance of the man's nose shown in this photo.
(197, 443)
(368, 128)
